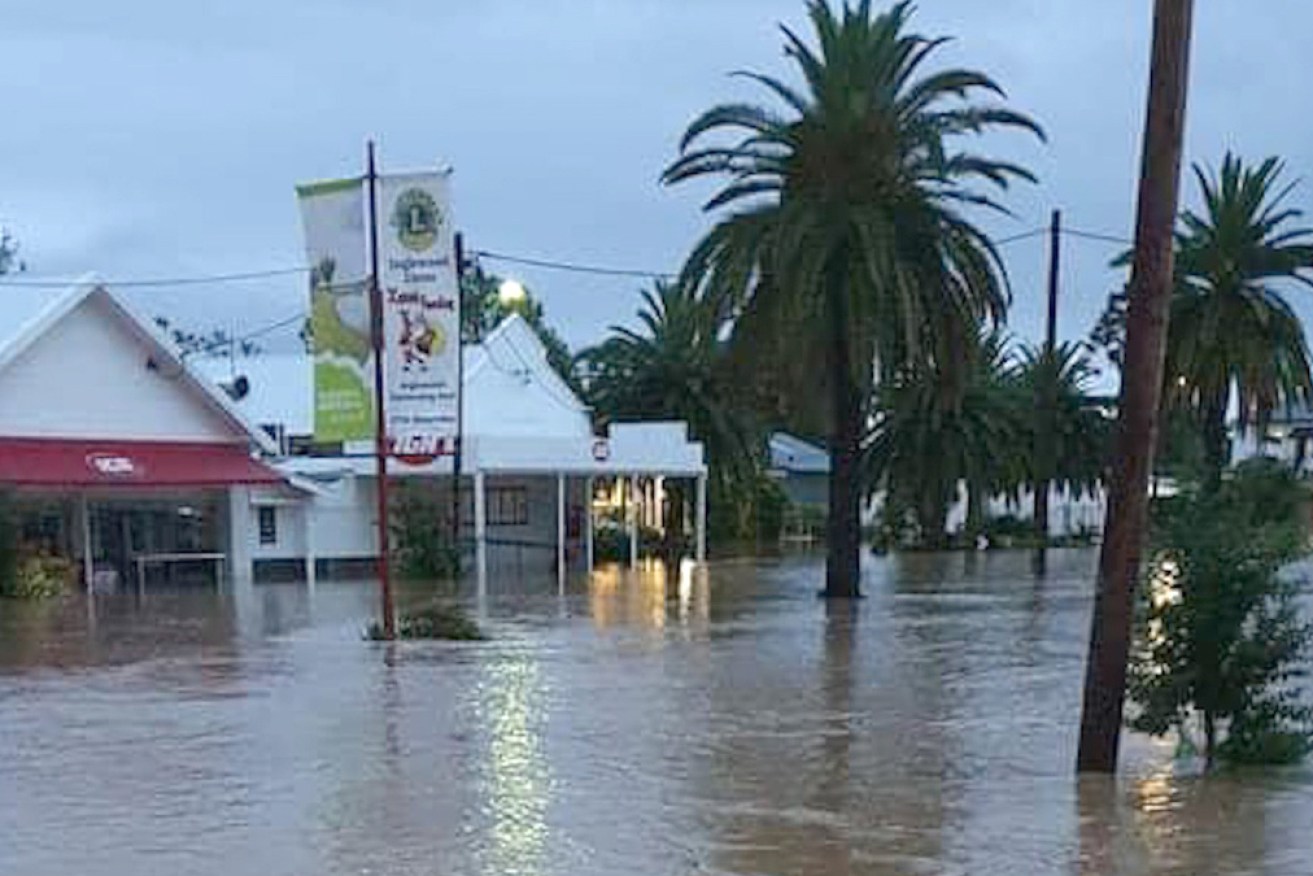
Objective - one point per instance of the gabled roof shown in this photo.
(32, 311)
(792, 454)
(524, 351)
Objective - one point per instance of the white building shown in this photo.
(139, 463)
(530, 467)
(117, 452)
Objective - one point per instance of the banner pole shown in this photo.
(458, 450)
(380, 414)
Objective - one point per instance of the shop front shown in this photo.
(129, 514)
(115, 457)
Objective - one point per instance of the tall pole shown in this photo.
(458, 450)
(1142, 381)
(380, 414)
(1046, 404)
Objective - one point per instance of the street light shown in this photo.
(511, 293)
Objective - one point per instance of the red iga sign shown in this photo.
(114, 465)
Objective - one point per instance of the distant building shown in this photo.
(802, 470)
(1288, 437)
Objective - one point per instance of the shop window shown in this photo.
(268, 521)
(508, 506)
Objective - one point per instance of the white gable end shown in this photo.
(87, 377)
(512, 391)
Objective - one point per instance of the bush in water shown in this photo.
(422, 534)
(1221, 642)
(432, 622)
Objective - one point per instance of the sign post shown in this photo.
(380, 402)
(384, 285)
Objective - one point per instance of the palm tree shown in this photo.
(1082, 431)
(845, 231)
(926, 442)
(1230, 326)
(672, 369)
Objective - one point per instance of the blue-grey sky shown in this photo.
(146, 138)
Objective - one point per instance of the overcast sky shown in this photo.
(147, 139)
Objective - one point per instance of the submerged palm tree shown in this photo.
(847, 236)
(1232, 334)
(1230, 326)
(925, 443)
(1082, 430)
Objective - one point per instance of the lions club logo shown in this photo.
(416, 218)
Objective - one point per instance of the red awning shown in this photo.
(36, 462)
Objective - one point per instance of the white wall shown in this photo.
(1068, 513)
(87, 378)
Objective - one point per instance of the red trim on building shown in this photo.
(39, 462)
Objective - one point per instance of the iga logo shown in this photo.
(418, 449)
(416, 217)
(113, 465)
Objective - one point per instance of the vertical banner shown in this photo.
(421, 315)
(333, 218)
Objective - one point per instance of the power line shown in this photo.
(1094, 235)
(273, 327)
(1017, 238)
(528, 261)
(161, 281)
(573, 266)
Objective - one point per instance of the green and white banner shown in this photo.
(334, 219)
(421, 314)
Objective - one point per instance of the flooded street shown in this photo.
(724, 722)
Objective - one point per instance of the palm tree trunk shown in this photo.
(1210, 739)
(976, 499)
(1142, 383)
(843, 533)
(1042, 490)
(932, 517)
(1215, 443)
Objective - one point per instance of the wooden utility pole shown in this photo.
(1047, 402)
(1142, 381)
(381, 447)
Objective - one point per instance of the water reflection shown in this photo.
(516, 778)
(670, 721)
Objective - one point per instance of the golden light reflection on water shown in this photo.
(651, 596)
(1156, 792)
(517, 778)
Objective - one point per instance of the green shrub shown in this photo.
(421, 533)
(448, 622)
(1221, 643)
(40, 576)
(769, 504)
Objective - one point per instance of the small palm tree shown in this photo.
(1230, 325)
(926, 442)
(1081, 433)
(1232, 334)
(843, 232)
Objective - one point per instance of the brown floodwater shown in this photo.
(719, 722)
